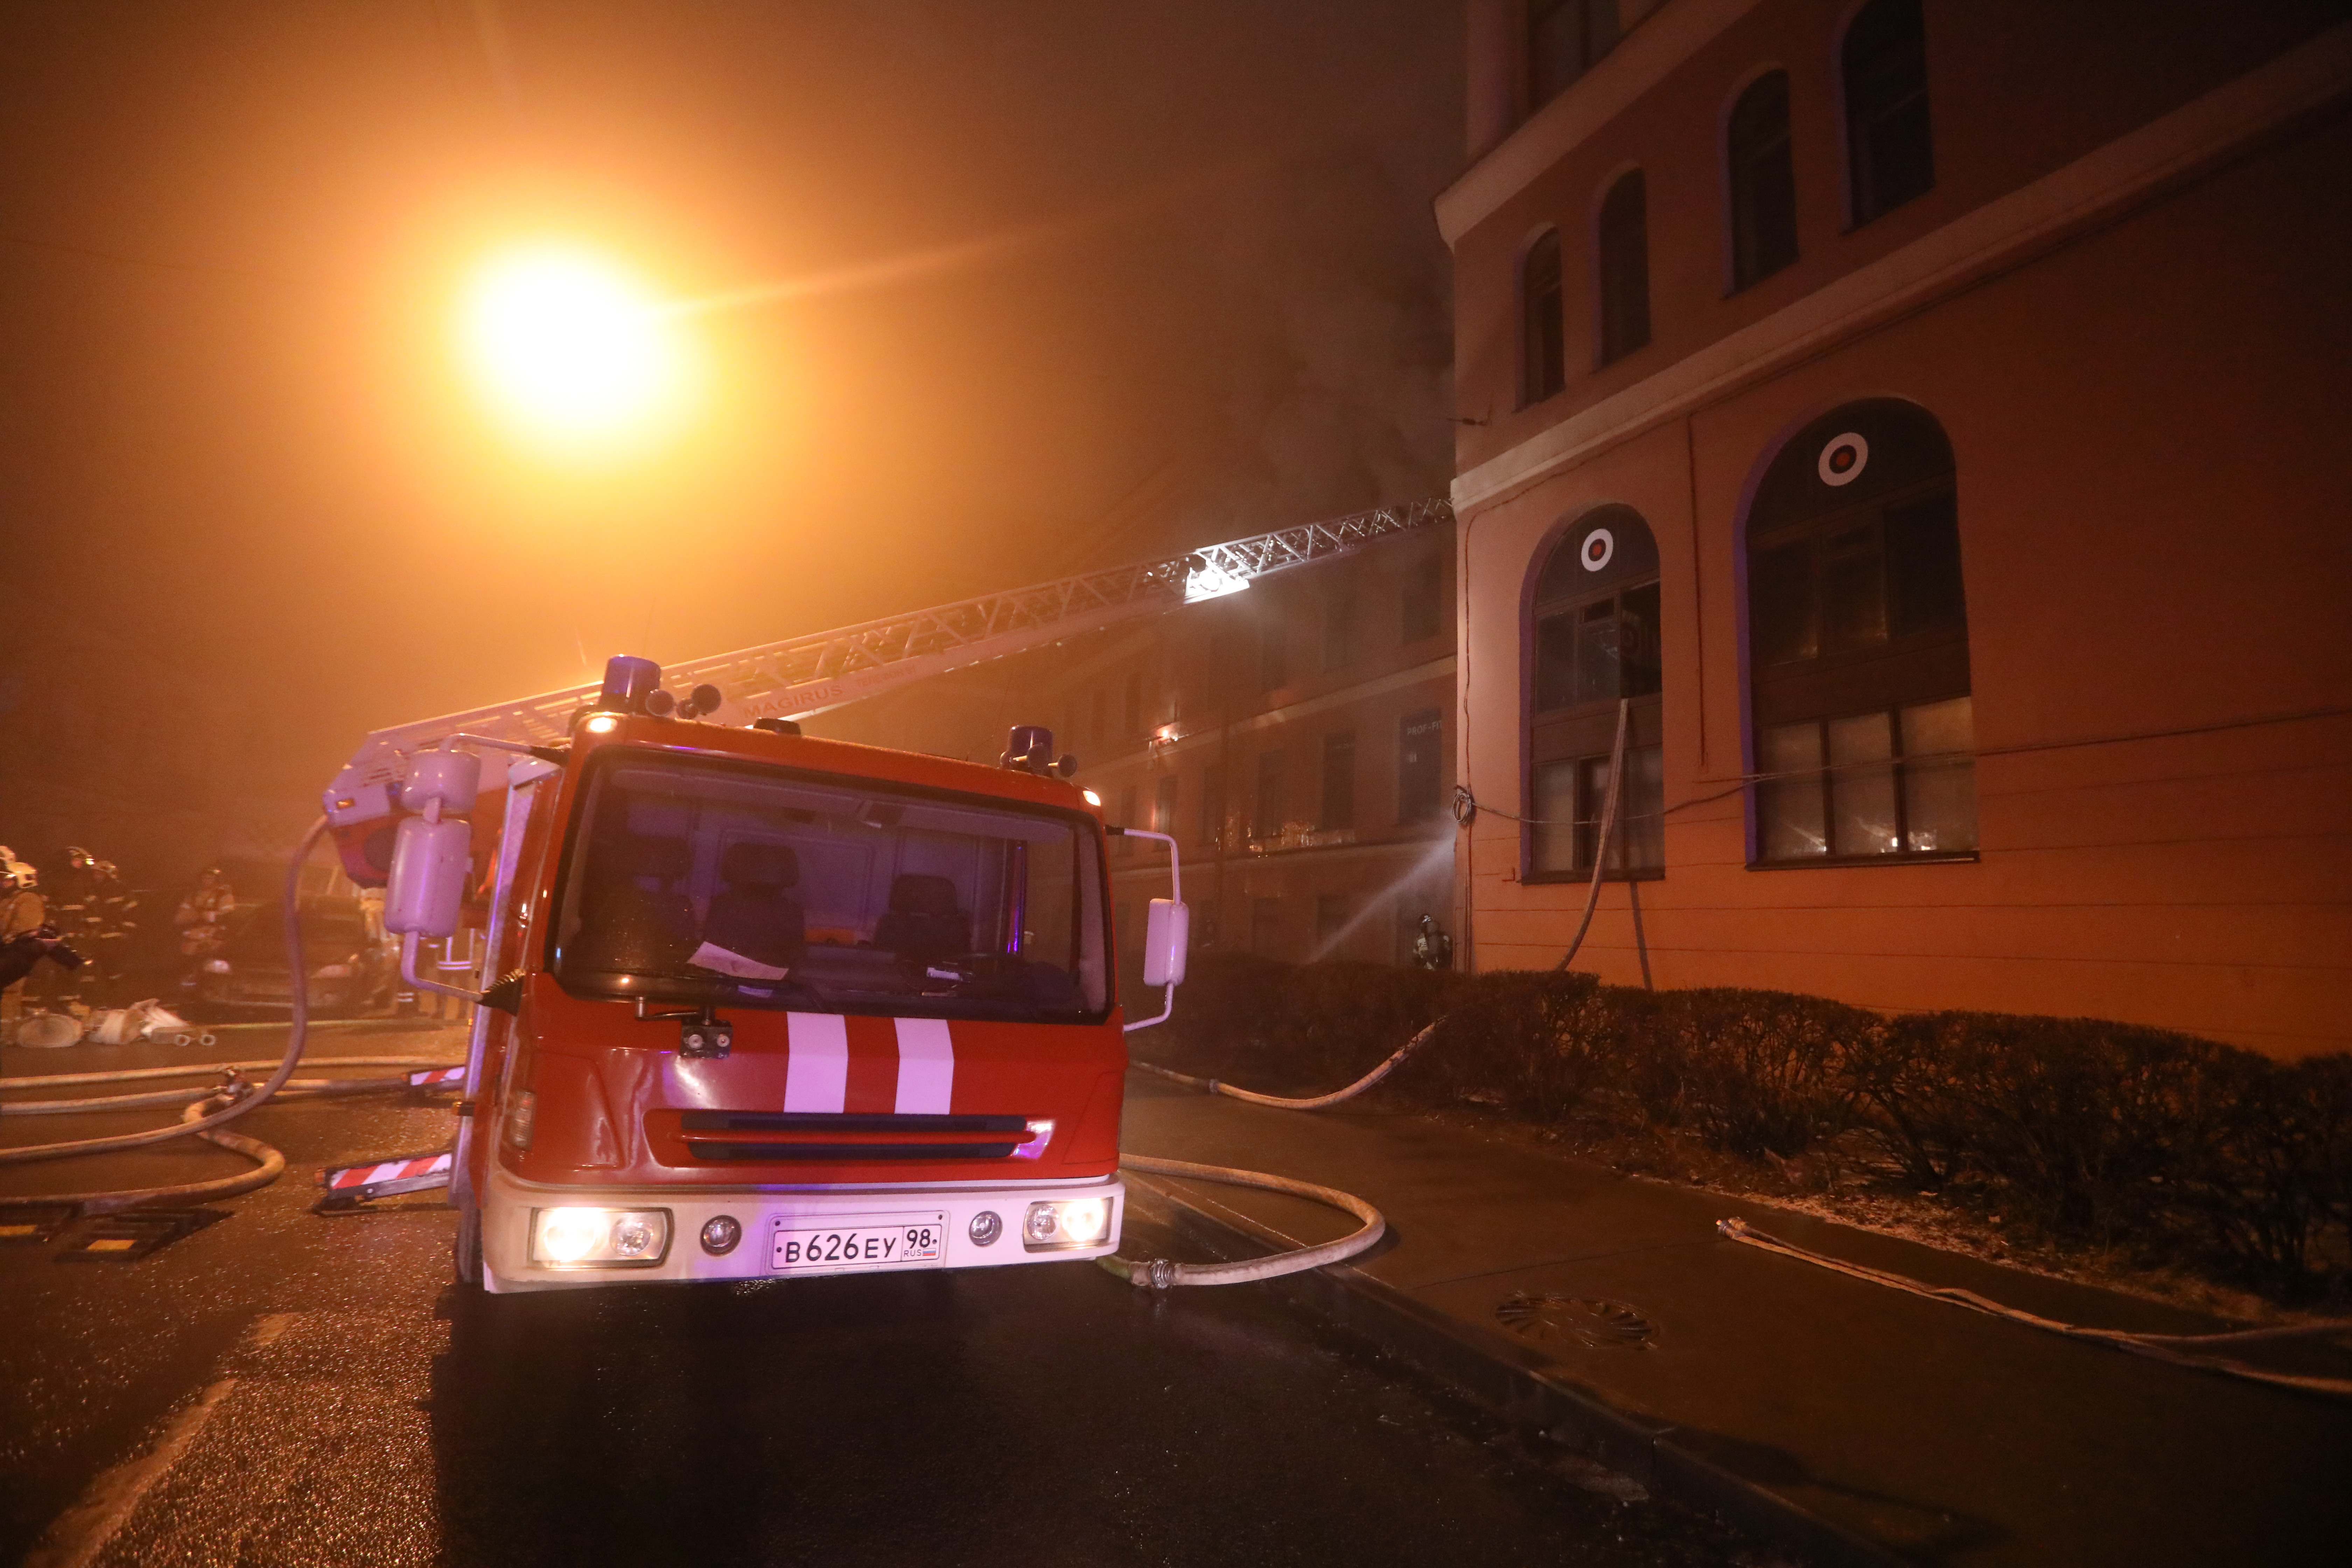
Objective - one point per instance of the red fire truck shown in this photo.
(756, 1005)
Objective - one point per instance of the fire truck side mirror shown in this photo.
(1167, 936)
(430, 861)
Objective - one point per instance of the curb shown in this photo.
(1520, 1387)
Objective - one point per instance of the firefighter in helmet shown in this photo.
(26, 937)
(202, 916)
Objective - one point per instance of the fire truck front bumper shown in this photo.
(539, 1238)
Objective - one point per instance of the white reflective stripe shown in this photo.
(816, 1067)
(926, 1066)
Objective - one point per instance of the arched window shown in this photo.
(1624, 268)
(1858, 645)
(1891, 156)
(1763, 181)
(1543, 352)
(1595, 624)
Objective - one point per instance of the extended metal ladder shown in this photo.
(805, 675)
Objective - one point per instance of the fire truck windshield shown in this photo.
(703, 882)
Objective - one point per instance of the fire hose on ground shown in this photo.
(208, 1109)
(1159, 1274)
(2194, 1351)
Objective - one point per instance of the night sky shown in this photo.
(1039, 286)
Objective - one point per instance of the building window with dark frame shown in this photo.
(1763, 181)
(1543, 333)
(1212, 807)
(1420, 765)
(1163, 805)
(1267, 808)
(1330, 921)
(1131, 709)
(1266, 927)
(1858, 646)
(1596, 644)
(1339, 782)
(1890, 147)
(1421, 602)
(1562, 39)
(1623, 268)
(1339, 625)
(1127, 819)
(1273, 650)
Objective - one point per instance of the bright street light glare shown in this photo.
(571, 348)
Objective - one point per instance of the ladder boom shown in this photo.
(802, 676)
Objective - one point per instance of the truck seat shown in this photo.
(923, 922)
(752, 915)
(633, 916)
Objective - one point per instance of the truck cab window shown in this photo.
(693, 881)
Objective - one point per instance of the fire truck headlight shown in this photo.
(567, 1235)
(1065, 1223)
(599, 1238)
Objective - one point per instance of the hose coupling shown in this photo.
(1164, 1273)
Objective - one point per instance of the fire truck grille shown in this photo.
(830, 1123)
(839, 1138)
(848, 1152)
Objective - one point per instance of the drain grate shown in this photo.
(28, 1223)
(1596, 1325)
(132, 1235)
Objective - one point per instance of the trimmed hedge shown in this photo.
(2179, 1150)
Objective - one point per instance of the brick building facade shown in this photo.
(1928, 420)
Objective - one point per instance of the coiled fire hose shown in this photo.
(1159, 1274)
(212, 1107)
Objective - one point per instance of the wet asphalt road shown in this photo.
(279, 1388)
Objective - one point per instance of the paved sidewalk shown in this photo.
(1929, 1433)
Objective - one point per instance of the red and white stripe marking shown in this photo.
(390, 1171)
(816, 1067)
(820, 1064)
(436, 1075)
(926, 1066)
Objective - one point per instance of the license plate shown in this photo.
(863, 1241)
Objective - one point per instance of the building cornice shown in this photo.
(1665, 39)
(2083, 192)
